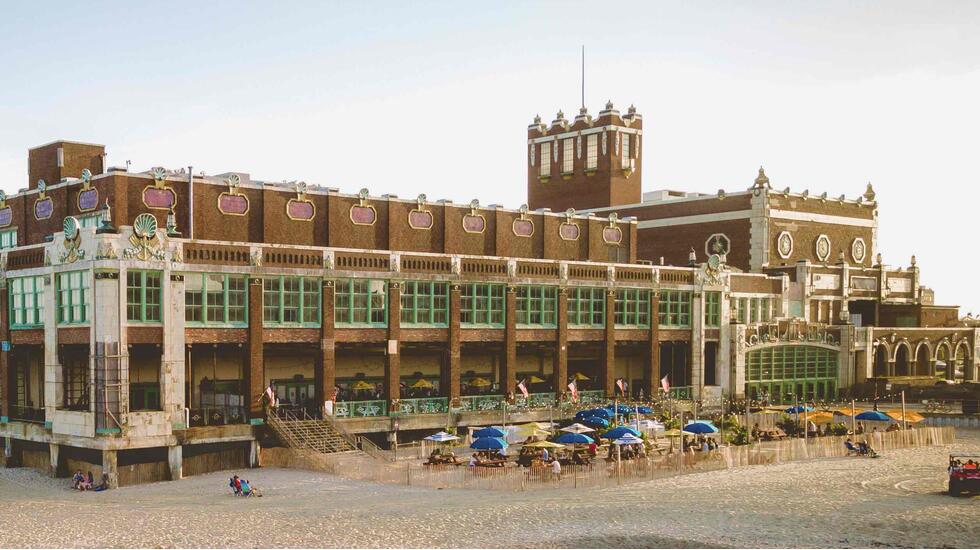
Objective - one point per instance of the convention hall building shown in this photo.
(147, 318)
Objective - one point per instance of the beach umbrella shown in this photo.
(844, 411)
(361, 385)
(700, 427)
(628, 439)
(577, 429)
(672, 433)
(644, 410)
(798, 409)
(574, 439)
(873, 416)
(442, 436)
(819, 418)
(647, 424)
(596, 421)
(422, 383)
(488, 444)
(620, 431)
(581, 377)
(489, 432)
(545, 445)
(535, 380)
(480, 382)
(910, 416)
(620, 409)
(601, 413)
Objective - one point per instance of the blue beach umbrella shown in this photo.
(596, 422)
(620, 431)
(644, 410)
(620, 409)
(573, 439)
(798, 409)
(489, 444)
(700, 427)
(876, 416)
(601, 413)
(489, 432)
(628, 439)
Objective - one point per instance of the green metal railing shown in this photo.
(682, 392)
(478, 403)
(591, 396)
(360, 409)
(535, 401)
(424, 405)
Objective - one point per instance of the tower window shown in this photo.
(625, 153)
(592, 152)
(567, 156)
(545, 160)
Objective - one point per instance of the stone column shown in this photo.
(697, 344)
(559, 371)
(175, 461)
(328, 344)
(454, 355)
(110, 467)
(608, 369)
(736, 344)
(5, 394)
(108, 339)
(254, 454)
(392, 349)
(255, 377)
(891, 368)
(508, 372)
(53, 376)
(53, 449)
(172, 369)
(651, 376)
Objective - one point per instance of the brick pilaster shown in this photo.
(255, 377)
(560, 366)
(508, 374)
(328, 343)
(651, 376)
(453, 374)
(393, 346)
(5, 394)
(608, 369)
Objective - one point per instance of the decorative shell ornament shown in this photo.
(3, 198)
(42, 186)
(86, 176)
(72, 251)
(70, 227)
(145, 226)
(159, 173)
(363, 194)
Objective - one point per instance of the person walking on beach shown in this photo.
(556, 469)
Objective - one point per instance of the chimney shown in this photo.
(61, 160)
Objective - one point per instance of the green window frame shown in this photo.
(765, 314)
(144, 291)
(632, 307)
(144, 396)
(291, 301)
(72, 297)
(742, 310)
(26, 296)
(482, 305)
(216, 299)
(586, 307)
(712, 309)
(780, 370)
(8, 238)
(90, 220)
(675, 309)
(361, 303)
(537, 305)
(425, 303)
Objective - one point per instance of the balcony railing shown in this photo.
(424, 405)
(591, 396)
(681, 392)
(535, 401)
(360, 409)
(27, 414)
(480, 403)
(217, 416)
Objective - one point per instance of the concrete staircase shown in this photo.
(319, 435)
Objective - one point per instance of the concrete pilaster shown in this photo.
(392, 379)
(560, 357)
(736, 342)
(608, 369)
(255, 376)
(508, 372)
(110, 467)
(54, 451)
(175, 461)
(651, 375)
(697, 343)
(254, 454)
(328, 343)
(5, 394)
(453, 365)
(53, 381)
(172, 369)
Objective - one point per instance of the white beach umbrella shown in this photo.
(577, 429)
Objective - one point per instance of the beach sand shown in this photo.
(894, 501)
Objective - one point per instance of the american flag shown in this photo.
(664, 383)
(523, 387)
(572, 387)
(621, 384)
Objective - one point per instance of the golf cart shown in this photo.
(964, 474)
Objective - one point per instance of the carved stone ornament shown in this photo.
(784, 245)
(300, 208)
(255, 258)
(822, 248)
(858, 250)
(363, 213)
(105, 251)
(531, 153)
(233, 202)
(474, 222)
(713, 271)
(456, 265)
(73, 241)
(719, 243)
(605, 140)
(144, 240)
(523, 227)
(6, 213)
(569, 230)
(176, 256)
(612, 234)
(43, 205)
(420, 217)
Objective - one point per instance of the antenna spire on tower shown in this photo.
(583, 76)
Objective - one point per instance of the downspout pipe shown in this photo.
(190, 202)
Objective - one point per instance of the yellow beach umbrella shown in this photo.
(672, 433)
(535, 380)
(422, 383)
(361, 385)
(846, 411)
(580, 376)
(545, 445)
(480, 382)
(818, 418)
(910, 416)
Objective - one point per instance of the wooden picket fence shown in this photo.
(604, 473)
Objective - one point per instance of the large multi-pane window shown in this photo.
(586, 307)
(712, 309)
(625, 153)
(567, 156)
(27, 302)
(482, 304)
(742, 310)
(143, 290)
(783, 372)
(361, 302)
(536, 305)
(425, 303)
(753, 310)
(72, 296)
(544, 168)
(632, 307)
(675, 308)
(592, 152)
(291, 301)
(8, 238)
(215, 299)
(90, 220)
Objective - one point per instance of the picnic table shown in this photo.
(774, 434)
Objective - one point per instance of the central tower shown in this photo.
(588, 163)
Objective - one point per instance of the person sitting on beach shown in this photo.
(850, 446)
(860, 429)
(755, 432)
(544, 455)
(77, 479)
(473, 462)
(593, 448)
(105, 483)
(970, 465)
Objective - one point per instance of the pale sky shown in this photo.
(411, 97)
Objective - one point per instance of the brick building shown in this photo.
(145, 314)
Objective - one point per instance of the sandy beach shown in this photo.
(895, 501)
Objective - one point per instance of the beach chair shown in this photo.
(851, 449)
